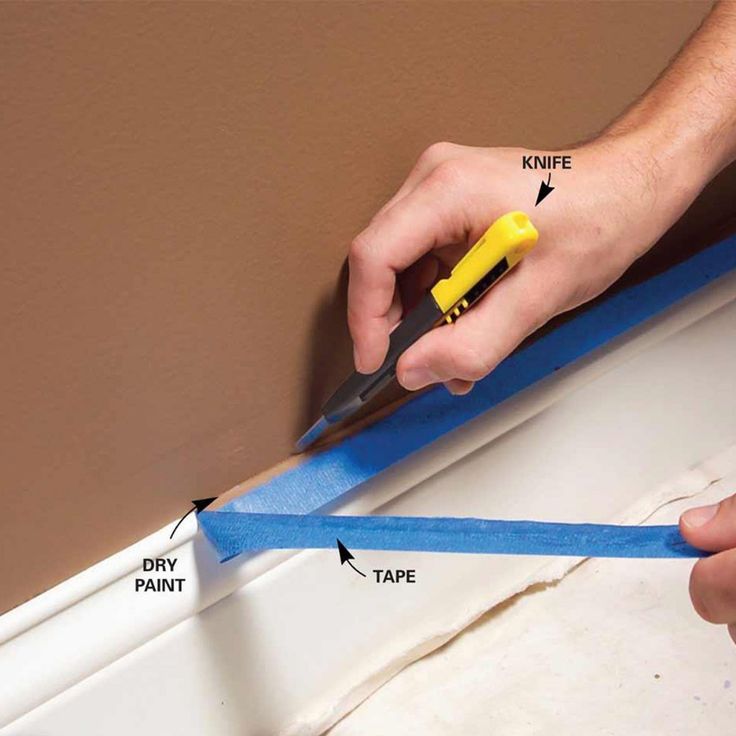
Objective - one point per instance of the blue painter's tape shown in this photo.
(326, 476)
(233, 533)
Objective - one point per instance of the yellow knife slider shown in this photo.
(510, 237)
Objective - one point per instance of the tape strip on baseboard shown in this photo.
(233, 533)
(325, 477)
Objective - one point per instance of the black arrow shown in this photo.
(346, 556)
(544, 189)
(199, 505)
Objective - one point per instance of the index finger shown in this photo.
(428, 217)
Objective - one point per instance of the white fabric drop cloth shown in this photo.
(613, 648)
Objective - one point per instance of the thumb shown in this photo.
(711, 528)
(472, 347)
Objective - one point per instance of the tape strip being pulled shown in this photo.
(326, 476)
(233, 533)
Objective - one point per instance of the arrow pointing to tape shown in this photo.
(347, 556)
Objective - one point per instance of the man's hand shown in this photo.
(624, 190)
(605, 212)
(713, 579)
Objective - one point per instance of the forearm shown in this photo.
(687, 119)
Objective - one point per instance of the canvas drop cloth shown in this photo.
(613, 648)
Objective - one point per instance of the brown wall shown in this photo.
(179, 183)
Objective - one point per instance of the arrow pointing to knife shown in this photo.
(544, 189)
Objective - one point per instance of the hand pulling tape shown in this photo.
(323, 478)
(233, 533)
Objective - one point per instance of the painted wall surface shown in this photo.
(179, 186)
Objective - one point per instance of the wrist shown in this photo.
(680, 136)
(660, 173)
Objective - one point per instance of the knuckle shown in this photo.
(468, 364)
(437, 152)
(361, 249)
(448, 174)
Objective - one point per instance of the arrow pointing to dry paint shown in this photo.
(347, 556)
(199, 505)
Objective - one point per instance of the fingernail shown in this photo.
(416, 378)
(458, 387)
(700, 516)
(356, 360)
